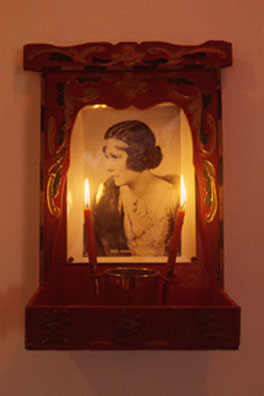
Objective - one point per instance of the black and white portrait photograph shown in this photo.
(133, 160)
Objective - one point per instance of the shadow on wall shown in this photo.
(141, 373)
(106, 373)
(11, 325)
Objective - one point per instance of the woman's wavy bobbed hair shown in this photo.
(142, 150)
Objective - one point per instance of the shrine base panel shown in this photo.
(188, 319)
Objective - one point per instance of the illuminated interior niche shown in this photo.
(171, 128)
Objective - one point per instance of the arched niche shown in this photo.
(87, 160)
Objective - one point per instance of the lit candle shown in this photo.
(89, 228)
(175, 241)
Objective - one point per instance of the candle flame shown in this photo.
(183, 193)
(86, 194)
(99, 192)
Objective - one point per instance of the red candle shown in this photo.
(89, 228)
(176, 237)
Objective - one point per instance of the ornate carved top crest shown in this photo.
(127, 56)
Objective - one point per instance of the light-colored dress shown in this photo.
(149, 220)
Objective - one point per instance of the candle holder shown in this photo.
(95, 282)
(131, 286)
(169, 283)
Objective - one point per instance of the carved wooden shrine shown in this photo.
(70, 309)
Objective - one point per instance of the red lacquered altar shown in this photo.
(124, 304)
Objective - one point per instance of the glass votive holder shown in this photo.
(131, 286)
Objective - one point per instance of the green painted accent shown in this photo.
(61, 135)
(204, 136)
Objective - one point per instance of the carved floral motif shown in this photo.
(126, 56)
(130, 329)
(130, 85)
(209, 325)
(53, 324)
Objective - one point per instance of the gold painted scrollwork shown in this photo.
(211, 196)
(200, 120)
(52, 187)
(58, 139)
(57, 152)
(90, 94)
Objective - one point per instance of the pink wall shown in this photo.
(60, 22)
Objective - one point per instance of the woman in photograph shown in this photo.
(136, 211)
